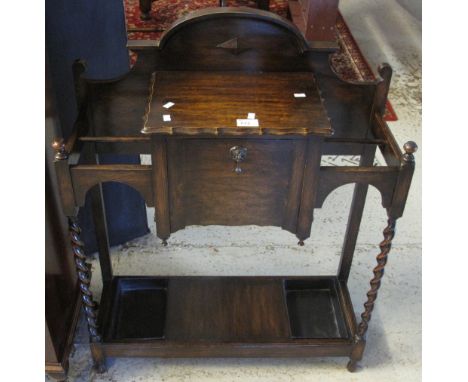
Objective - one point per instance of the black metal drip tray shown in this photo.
(139, 308)
(314, 309)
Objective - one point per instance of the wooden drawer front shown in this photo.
(204, 189)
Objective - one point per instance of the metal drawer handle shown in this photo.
(238, 155)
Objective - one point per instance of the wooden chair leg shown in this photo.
(360, 339)
(145, 9)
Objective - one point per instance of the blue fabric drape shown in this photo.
(93, 30)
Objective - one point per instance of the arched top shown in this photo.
(232, 39)
(240, 13)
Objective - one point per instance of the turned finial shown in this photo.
(410, 148)
(60, 151)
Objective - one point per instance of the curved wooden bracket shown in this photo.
(84, 177)
(382, 178)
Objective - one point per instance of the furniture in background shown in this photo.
(316, 20)
(145, 7)
(62, 294)
(254, 108)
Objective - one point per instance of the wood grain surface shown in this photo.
(210, 103)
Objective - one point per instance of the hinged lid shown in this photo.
(233, 103)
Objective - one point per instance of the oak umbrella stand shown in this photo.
(238, 110)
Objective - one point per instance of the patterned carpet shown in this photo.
(349, 62)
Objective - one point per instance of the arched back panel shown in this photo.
(240, 39)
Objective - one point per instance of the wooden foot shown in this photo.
(99, 360)
(164, 242)
(351, 366)
(301, 243)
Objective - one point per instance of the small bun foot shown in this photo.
(164, 242)
(351, 366)
(301, 243)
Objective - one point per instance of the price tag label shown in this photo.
(299, 95)
(168, 105)
(247, 123)
(166, 117)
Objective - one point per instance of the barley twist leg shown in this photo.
(385, 246)
(89, 305)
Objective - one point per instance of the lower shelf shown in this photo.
(226, 316)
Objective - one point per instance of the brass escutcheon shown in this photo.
(238, 155)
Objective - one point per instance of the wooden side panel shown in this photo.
(348, 105)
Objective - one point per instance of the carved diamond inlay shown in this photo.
(234, 45)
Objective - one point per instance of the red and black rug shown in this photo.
(349, 63)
